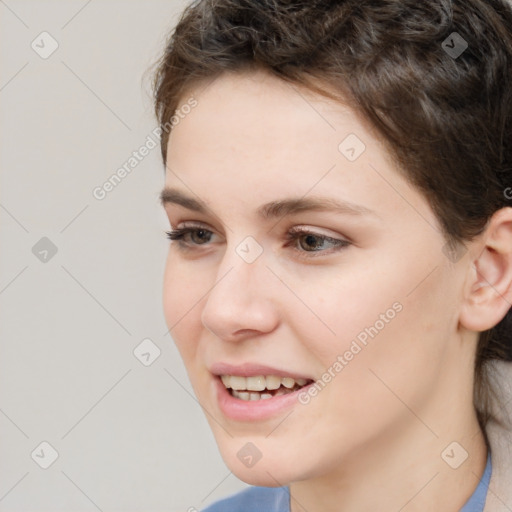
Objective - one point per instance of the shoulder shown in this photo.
(254, 499)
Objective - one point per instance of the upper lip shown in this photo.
(253, 370)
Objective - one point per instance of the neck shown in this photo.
(410, 469)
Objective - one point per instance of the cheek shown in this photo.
(396, 324)
(181, 307)
(399, 354)
(343, 308)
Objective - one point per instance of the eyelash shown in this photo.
(291, 236)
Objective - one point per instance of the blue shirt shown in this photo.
(277, 499)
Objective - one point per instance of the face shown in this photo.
(359, 308)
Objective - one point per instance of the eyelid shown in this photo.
(314, 231)
(294, 229)
(291, 236)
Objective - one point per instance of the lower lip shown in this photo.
(254, 410)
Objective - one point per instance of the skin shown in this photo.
(382, 422)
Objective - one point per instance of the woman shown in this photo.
(339, 281)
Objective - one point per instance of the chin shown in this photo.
(260, 475)
(273, 471)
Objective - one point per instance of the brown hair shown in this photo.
(446, 119)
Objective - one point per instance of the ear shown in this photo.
(489, 295)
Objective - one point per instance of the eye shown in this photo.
(180, 234)
(201, 236)
(298, 233)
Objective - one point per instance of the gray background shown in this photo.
(129, 437)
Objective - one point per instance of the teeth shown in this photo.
(259, 383)
(256, 383)
(243, 395)
(288, 383)
(273, 382)
(238, 382)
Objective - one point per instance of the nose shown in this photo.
(241, 303)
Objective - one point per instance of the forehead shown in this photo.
(260, 112)
(255, 122)
(253, 139)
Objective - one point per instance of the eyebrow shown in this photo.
(273, 209)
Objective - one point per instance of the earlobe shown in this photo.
(490, 292)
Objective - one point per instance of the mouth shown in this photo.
(256, 392)
(261, 387)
